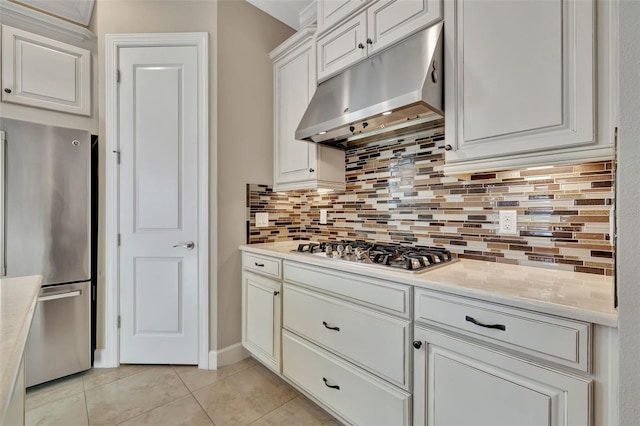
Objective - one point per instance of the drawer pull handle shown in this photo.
(329, 327)
(496, 326)
(326, 383)
(261, 265)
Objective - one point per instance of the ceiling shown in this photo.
(286, 11)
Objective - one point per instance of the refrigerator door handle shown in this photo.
(60, 296)
(3, 197)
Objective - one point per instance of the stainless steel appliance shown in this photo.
(45, 214)
(395, 92)
(396, 256)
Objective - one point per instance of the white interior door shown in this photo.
(158, 141)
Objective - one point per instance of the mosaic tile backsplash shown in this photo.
(397, 193)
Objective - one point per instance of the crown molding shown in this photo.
(32, 20)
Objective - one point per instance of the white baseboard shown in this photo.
(226, 356)
(100, 359)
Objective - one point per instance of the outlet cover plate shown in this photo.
(508, 222)
(323, 217)
(262, 220)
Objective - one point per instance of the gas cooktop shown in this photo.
(396, 256)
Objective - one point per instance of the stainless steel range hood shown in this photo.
(397, 91)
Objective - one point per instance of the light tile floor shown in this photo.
(240, 394)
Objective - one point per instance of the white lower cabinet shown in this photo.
(354, 395)
(460, 383)
(345, 347)
(261, 313)
(375, 341)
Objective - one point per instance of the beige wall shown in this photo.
(240, 38)
(245, 139)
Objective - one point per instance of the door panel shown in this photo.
(390, 21)
(295, 84)
(158, 291)
(339, 48)
(157, 149)
(45, 73)
(158, 205)
(493, 388)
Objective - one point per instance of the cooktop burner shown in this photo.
(408, 258)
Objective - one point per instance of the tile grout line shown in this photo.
(193, 396)
(160, 406)
(86, 404)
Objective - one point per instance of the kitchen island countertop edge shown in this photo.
(18, 297)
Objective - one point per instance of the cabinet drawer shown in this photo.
(558, 340)
(375, 341)
(381, 295)
(261, 264)
(357, 396)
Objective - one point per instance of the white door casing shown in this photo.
(157, 198)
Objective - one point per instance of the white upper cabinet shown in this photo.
(521, 79)
(41, 72)
(381, 24)
(342, 46)
(330, 12)
(299, 164)
(390, 21)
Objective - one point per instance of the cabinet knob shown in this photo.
(448, 147)
(311, 170)
(275, 293)
(417, 344)
(7, 90)
(360, 46)
(369, 41)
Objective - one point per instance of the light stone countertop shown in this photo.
(18, 298)
(574, 295)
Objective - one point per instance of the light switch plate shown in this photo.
(262, 220)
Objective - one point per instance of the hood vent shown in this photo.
(398, 91)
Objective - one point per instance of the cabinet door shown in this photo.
(294, 85)
(331, 12)
(520, 76)
(261, 318)
(342, 46)
(389, 21)
(463, 384)
(41, 72)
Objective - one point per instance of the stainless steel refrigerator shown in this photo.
(45, 229)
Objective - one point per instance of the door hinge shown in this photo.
(118, 321)
(118, 240)
(117, 153)
(117, 76)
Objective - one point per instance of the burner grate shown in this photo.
(409, 258)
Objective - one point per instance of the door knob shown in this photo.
(189, 245)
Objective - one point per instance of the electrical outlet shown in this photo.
(323, 217)
(262, 220)
(508, 222)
